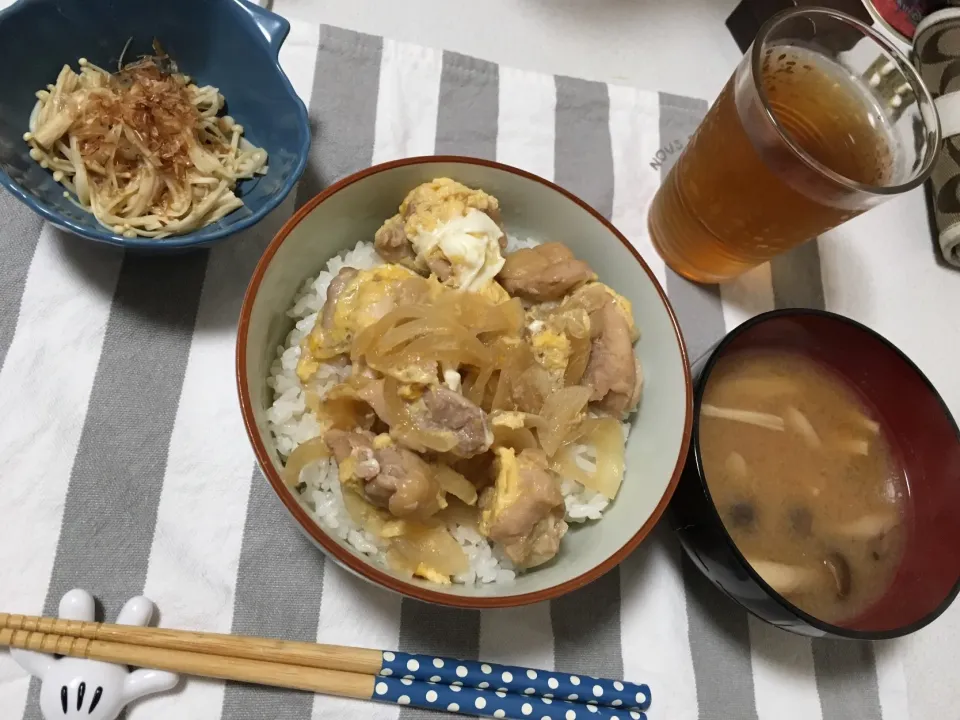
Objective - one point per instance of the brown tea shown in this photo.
(728, 205)
(804, 480)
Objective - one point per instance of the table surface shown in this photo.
(879, 268)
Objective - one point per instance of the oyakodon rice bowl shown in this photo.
(292, 423)
(558, 422)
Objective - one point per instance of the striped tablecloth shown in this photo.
(125, 469)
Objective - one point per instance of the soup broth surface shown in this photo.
(805, 481)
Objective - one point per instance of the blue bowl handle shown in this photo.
(273, 27)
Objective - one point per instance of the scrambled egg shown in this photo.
(367, 297)
(433, 203)
(494, 292)
(425, 571)
(470, 244)
(506, 489)
(552, 350)
(410, 391)
(449, 226)
(513, 419)
(348, 474)
(549, 339)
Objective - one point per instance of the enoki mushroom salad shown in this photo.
(144, 149)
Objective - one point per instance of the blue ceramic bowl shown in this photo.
(231, 44)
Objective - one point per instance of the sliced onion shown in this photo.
(406, 332)
(513, 360)
(531, 389)
(400, 563)
(606, 438)
(433, 547)
(476, 391)
(343, 407)
(482, 316)
(365, 339)
(457, 513)
(372, 519)
(561, 415)
(579, 358)
(306, 453)
(517, 438)
(406, 428)
(455, 484)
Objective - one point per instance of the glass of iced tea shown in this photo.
(822, 119)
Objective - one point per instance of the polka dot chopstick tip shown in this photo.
(493, 703)
(505, 691)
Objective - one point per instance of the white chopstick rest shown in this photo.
(96, 690)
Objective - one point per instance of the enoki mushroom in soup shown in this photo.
(805, 481)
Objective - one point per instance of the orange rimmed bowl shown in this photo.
(352, 210)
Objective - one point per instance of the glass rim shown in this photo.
(911, 74)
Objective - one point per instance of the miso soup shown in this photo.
(805, 481)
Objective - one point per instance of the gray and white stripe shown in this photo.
(147, 483)
(118, 471)
(19, 232)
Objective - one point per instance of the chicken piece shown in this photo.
(443, 410)
(334, 290)
(523, 511)
(439, 410)
(392, 244)
(372, 394)
(494, 214)
(354, 452)
(387, 476)
(308, 363)
(545, 272)
(355, 300)
(593, 296)
(405, 485)
(637, 388)
(612, 371)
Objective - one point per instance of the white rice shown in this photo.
(319, 491)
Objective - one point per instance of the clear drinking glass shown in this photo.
(822, 119)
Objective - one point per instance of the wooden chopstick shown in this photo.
(316, 655)
(468, 701)
(331, 669)
(299, 677)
